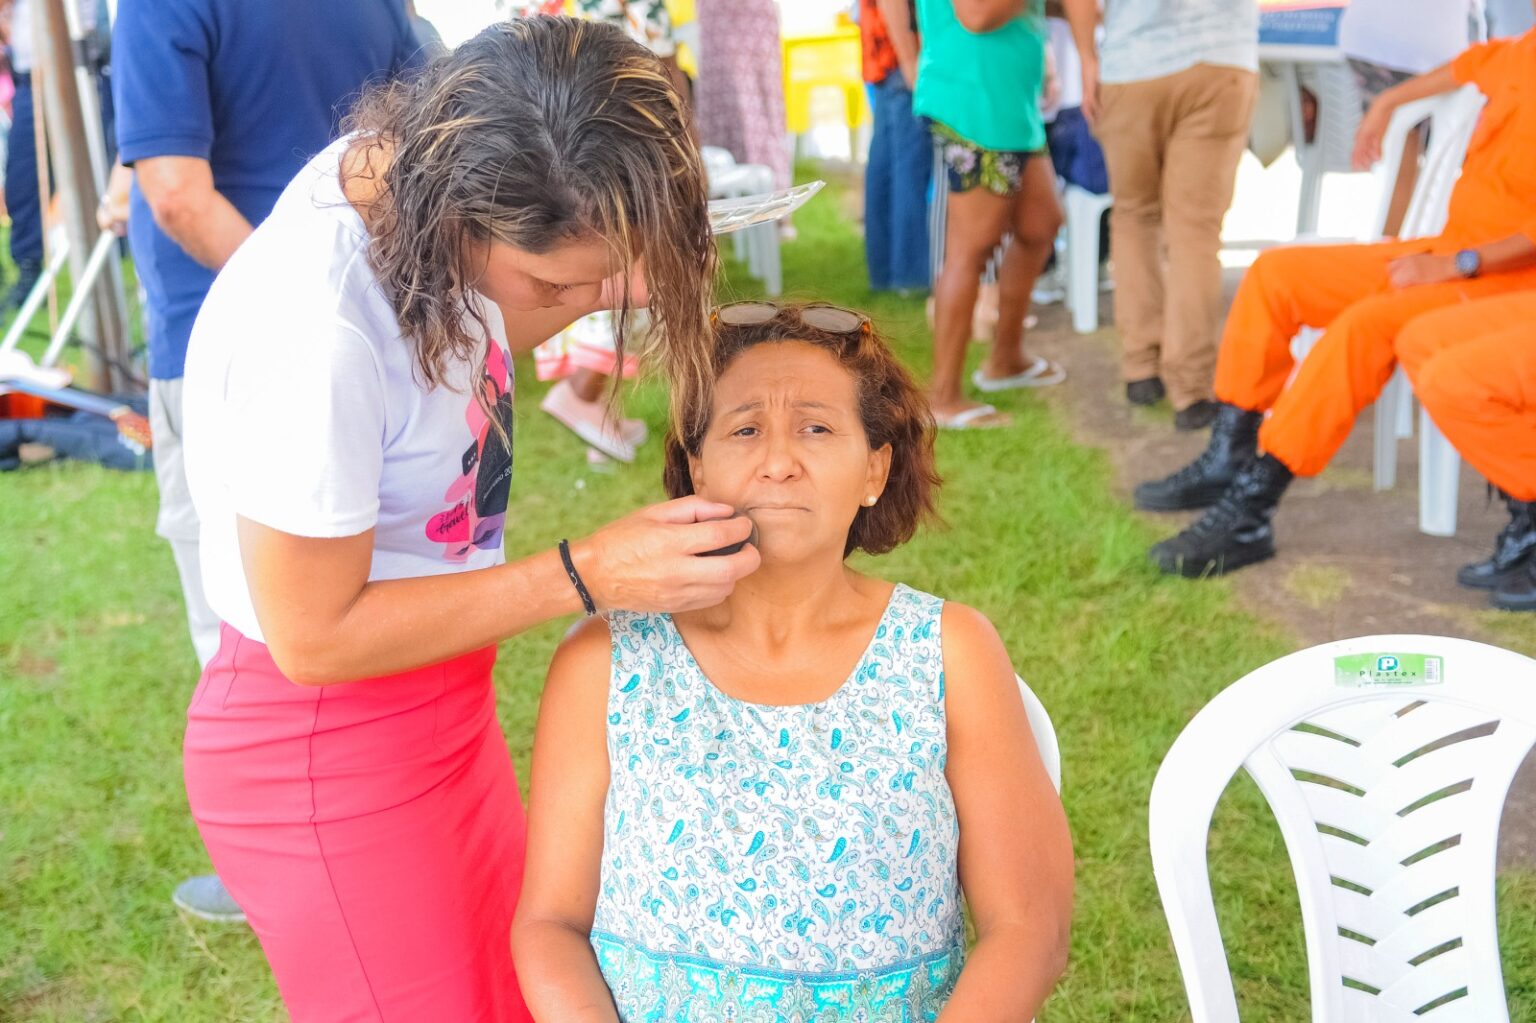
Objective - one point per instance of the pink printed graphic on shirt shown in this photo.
(478, 498)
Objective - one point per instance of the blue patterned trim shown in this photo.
(665, 987)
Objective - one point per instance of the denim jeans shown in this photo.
(1075, 153)
(896, 191)
(21, 192)
(21, 198)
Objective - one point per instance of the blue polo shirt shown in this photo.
(256, 88)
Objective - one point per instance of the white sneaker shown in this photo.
(206, 898)
(1050, 288)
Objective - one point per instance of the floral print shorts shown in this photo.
(1000, 172)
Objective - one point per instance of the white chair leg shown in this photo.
(1404, 411)
(759, 245)
(1083, 259)
(1439, 480)
(1387, 404)
(1311, 194)
(772, 274)
(755, 258)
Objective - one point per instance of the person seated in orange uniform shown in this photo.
(1365, 295)
(1474, 368)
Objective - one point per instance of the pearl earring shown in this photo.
(869, 502)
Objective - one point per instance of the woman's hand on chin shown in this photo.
(649, 560)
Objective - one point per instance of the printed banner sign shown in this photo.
(1304, 23)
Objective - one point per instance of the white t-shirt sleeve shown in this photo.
(308, 449)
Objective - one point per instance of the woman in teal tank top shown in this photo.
(979, 77)
(755, 811)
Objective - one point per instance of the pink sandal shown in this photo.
(589, 421)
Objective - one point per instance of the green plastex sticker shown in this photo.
(1360, 671)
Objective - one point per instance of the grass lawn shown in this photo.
(96, 670)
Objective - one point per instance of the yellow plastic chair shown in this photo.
(685, 28)
(829, 60)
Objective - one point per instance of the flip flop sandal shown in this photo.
(1041, 373)
(970, 419)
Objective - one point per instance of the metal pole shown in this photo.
(110, 290)
(85, 85)
(34, 300)
(105, 247)
(78, 188)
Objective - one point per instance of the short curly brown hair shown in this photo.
(891, 407)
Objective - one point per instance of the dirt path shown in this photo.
(1352, 561)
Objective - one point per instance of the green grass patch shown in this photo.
(1317, 586)
(96, 670)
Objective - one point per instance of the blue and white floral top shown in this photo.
(766, 863)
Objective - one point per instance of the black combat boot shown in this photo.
(1234, 438)
(1235, 531)
(1511, 550)
(1519, 592)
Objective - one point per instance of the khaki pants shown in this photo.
(1172, 146)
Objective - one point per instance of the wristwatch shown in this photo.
(1469, 263)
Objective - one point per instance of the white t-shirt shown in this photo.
(304, 411)
(1407, 35)
(1069, 70)
(1146, 39)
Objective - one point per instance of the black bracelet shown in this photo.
(581, 587)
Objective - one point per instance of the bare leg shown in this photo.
(1036, 219)
(588, 384)
(976, 222)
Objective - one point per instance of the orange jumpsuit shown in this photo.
(1345, 288)
(1474, 368)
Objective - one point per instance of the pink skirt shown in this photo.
(372, 832)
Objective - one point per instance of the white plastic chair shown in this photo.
(757, 246)
(1452, 118)
(1045, 732)
(1338, 117)
(1085, 211)
(1388, 797)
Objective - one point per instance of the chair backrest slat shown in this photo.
(1388, 798)
(1045, 732)
(1452, 120)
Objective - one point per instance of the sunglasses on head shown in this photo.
(830, 318)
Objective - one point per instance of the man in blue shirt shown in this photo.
(219, 103)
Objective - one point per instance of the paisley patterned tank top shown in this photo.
(766, 863)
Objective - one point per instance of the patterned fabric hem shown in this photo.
(1000, 172)
(663, 987)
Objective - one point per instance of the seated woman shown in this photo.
(768, 810)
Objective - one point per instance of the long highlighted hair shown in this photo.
(534, 133)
